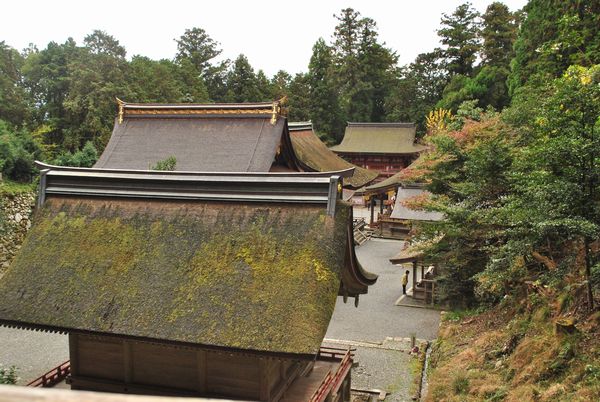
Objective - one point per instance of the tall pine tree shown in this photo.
(460, 35)
(324, 106)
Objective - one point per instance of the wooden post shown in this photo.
(264, 380)
(201, 369)
(372, 203)
(381, 204)
(414, 286)
(422, 271)
(73, 354)
(127, 362)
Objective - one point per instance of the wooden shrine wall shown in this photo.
(118, 365)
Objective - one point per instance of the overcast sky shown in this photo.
(273, 35)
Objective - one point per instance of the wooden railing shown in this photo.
(331, 384)
(52, 377)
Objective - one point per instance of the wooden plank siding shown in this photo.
(118, 365)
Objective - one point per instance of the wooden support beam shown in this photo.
(73, 353)
(264, 380)
(127, 362)
(201, 371)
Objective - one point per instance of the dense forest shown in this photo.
(58, 103)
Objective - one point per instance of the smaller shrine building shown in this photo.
(385, 147)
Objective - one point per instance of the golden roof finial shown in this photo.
(121, 109)
(279, 109)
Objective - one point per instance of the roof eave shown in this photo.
(65, 330)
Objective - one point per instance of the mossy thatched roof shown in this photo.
(311, 151)
(242, 276)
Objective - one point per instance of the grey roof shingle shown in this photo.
(198, 144)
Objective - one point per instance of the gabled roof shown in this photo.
(315, 156)
(402, 212)
(246, 137)
(379, 138)
(236, 261)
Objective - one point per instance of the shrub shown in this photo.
(168, 164)
(18, 150)
(9, 375)
(86, 157)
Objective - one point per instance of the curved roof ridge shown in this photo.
(300, 125)
(390, 124)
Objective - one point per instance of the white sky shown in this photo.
(273, 35)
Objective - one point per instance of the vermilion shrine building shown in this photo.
(384, 147)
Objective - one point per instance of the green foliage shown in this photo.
(86, 157)
(417, 90)
(13, 98)
(168, 164)
(364, 68)
(325, 111)
(8, 187)
(488, 88)
(459, 315)
(64, 94)
(18, 151)
(497, 396)
(521, 199)
(592, 374)
(554, 35)
(242, 82)
(8, 375)
(460, 385)
(498, 32)
(299, 98)
(460, 34)
(198, 48)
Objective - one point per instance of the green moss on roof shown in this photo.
(379, 138)
(313, 153)
(242, 276)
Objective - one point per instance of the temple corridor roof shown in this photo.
(313, 153)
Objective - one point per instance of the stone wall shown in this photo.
(15, 215)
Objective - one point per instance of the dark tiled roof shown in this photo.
(209, 137)
(245, 276)
(379, 138)
(311, 151)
